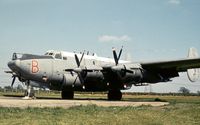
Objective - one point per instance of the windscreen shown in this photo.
(16, 56)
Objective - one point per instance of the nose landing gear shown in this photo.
(29, 93)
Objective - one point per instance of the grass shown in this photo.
(182, 110)
(180, 114)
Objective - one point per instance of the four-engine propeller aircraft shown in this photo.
(69, 72)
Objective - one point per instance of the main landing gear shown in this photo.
(66, 94)
(114, 95)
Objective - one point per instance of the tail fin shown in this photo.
(193, 74)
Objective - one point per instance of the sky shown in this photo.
(149, 30)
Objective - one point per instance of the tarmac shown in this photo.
(41, 103)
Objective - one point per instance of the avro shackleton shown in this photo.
(69, 72)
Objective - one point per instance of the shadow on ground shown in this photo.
(93, 98)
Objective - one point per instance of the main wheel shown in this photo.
(114, 95)
(67, 94)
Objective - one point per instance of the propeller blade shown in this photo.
(69, 70)
(82, 57)
(75, 81)
(128, 71)
(8, 72)
(115, 56)
(81, 78)
(120, 53)
(77, 60)
(14, 77)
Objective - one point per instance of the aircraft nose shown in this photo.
(14, 65)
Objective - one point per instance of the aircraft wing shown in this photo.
(173, 65)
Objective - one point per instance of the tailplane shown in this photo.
(193, 74)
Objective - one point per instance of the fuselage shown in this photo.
(49, 70)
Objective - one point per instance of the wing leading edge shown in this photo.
(170, 69)
(178, 65)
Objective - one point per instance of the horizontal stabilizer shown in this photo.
(193, 74)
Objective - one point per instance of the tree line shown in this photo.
(183, 91)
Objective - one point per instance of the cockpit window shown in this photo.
(64, 58)
(54, 54)
(16, 56)
(50, 54)
(58, 56)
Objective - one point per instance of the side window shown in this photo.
(58, 56)
(64, 58)
(51, 54)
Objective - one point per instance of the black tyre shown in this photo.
(67, 94)
(114, 95)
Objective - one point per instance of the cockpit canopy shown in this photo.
(55, 54)
(16, 56)
(20, 56)
(48, 55)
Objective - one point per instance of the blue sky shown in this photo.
(148, 29)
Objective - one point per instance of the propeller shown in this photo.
(11, 72)
(117, 57)
(13, 81)
(124, 70)
(14, 75)
(78, 70)
(78, 62)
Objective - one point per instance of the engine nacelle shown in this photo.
(71, 81)
(94, 75)
(128, 75)
(95, 81)
(133, 77)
